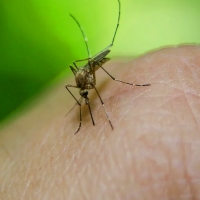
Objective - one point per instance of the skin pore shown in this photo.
(152, 153)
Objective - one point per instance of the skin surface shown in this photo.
(152, 153)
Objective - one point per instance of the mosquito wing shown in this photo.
(99, 57)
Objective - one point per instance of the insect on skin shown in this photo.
(85, 76)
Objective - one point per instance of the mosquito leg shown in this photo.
(119, 14)
(79, 61)
(82, 60)
(104, 107)
(88, 103)
(80, 119)
(116, 29)
(117, 24)
(66, 86)
(124, 81)
(75, 65)
(73, 107)
(84, 35)
(78, 102)
(73, 70)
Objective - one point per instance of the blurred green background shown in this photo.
(38, 38)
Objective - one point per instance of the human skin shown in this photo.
(152, 153)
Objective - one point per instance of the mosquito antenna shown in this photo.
(84, 36)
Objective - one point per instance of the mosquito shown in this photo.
(85, 76)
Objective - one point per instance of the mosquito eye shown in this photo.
(85, 93)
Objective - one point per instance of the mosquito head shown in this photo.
(83, 93)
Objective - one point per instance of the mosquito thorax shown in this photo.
(80, 77)
(85, 78)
